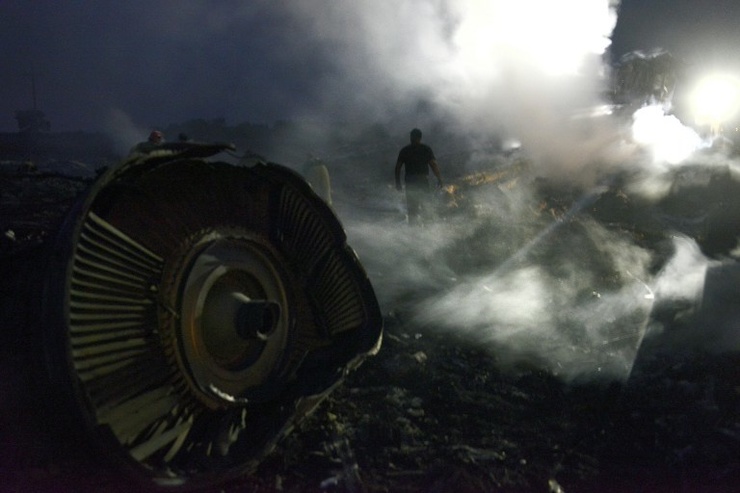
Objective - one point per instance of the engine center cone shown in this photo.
(232, 336)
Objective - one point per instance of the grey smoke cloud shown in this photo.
(682, 278)
(569, 295)
(527, 67)
(558, 308)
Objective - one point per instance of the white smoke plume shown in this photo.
(525, 68)
(571, 295)
(559, 309)
(532, 71)
(682, 278)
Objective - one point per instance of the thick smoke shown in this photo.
(522, 68)
(568, 293)
(682, 278)
(531, 71)
(571, 296)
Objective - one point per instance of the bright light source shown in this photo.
(716, 100)
(668, 139)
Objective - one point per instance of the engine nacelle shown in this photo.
(192, 311)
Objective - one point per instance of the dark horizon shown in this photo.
(140, 65)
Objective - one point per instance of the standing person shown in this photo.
(417, 158)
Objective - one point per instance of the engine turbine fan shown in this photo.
(194, 311)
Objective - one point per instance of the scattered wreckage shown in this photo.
(186, 313)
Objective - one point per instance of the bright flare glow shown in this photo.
(668, 139)
(716, 99)
(550, 36)
(517, 67)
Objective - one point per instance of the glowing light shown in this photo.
(716, 99)
(669, 140)
(554, 37)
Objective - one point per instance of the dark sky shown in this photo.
(159, 62)
(703, 32)
(146, 63)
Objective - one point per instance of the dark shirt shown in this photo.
(416, 158)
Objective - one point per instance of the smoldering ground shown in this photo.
(569, 293)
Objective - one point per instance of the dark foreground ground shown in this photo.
(431, 413)
(434, 412)
(450, 421)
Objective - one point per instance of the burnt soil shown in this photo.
(433, 413)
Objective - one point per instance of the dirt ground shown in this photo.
(433, 413)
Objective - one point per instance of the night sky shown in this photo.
(99, 65)
(701, 32)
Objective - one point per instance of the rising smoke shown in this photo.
(572, 296)
(524, 68)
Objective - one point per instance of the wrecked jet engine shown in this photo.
(191, 312)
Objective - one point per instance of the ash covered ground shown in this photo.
(538, 337)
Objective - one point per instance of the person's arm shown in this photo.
(435, 169)
(399, 163)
